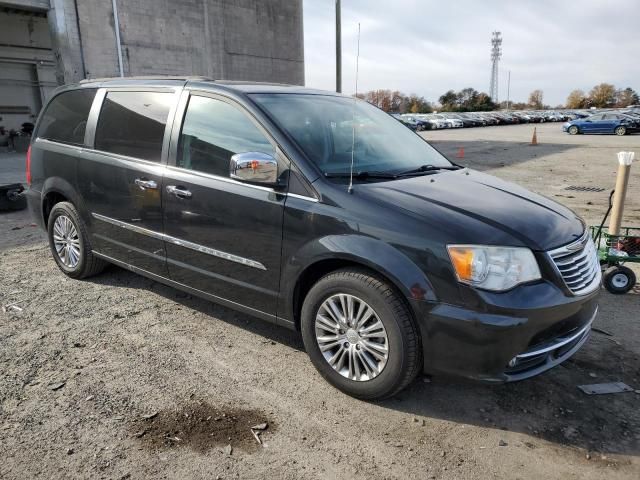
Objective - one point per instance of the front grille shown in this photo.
(578, 265)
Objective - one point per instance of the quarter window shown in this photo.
(212, 132)
(133, 124)
(65, 118)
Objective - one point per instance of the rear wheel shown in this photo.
(359, 334)
(619, 279)
(620, 130)
(70, 244)
(573, 130)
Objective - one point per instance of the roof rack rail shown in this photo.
(149, 77)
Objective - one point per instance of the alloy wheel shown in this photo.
(351, 337)
(66, 241)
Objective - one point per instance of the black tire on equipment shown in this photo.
(405, 350)
(613, 273)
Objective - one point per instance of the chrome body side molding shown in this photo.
(183, 243)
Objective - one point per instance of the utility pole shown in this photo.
(508, 89)
(338, 48)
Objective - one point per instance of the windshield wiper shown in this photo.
(360, 175)
(426, 169)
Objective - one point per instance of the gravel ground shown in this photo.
(121, 377)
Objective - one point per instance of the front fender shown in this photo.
(374, 254)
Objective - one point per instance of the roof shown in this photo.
(237, 85)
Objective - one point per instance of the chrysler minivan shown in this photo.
(318, 212)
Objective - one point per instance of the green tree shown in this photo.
(449, 101)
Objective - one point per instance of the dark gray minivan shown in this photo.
(318, 212)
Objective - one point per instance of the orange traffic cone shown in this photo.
(460, 153)
(534, 139)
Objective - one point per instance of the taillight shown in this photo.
(29, 166)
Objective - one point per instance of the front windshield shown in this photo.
(323, 127)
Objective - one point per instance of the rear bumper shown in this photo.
(505, 337)
(34, 203)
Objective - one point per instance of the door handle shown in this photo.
(179, 191)
(145, 184)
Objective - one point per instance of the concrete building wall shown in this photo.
(27, 66)
(258, 40)
(49, 42)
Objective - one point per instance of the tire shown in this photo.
(399, 334)
(573, 130)
(619, 280)
(621, 130)
(66, 228)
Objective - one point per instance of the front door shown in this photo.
(120, 179)
(223, 237)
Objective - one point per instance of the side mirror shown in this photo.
(254, 167)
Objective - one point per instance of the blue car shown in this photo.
(609, 122)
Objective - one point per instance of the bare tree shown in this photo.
(535, 99)
(603, 95)
(577, 99)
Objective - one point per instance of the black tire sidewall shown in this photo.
(392, 373)
(68, 210)
(611, 272)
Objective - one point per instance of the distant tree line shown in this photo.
(396, 102)
(603, 95)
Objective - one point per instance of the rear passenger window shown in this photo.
(212, 132)
(65, 118)
(133, 123)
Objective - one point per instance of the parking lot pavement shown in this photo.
(120, 377)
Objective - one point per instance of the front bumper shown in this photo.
(505, 336)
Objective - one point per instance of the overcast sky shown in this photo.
(429, 46)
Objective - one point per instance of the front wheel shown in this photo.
(573, 130)
(620, 130)
(619, 279)
(359, 334)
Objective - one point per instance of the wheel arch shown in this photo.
(342, 251)
(56, 190)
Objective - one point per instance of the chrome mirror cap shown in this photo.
(254, 167)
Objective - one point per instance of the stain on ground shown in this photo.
(201, 427)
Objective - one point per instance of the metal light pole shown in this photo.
(508, 89)
(338, 48)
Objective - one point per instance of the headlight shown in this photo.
(493, 268)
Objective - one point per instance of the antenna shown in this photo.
(353, 118)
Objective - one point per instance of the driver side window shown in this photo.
(212, 132)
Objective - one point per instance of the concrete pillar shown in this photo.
(67, 44)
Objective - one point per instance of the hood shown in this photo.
(473, 206)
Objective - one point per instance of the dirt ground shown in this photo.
(120, 377)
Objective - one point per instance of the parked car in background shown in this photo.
(411, 125)
(466, 122)
(420, 123)
(609, 122)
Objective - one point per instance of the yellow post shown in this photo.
(624, 168)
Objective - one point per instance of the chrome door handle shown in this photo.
(179, 191)
(146, 184)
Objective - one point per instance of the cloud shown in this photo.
(428, 47)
